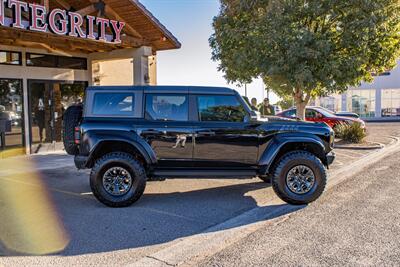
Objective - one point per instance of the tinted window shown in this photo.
(167, 107)
(115, 104)
(220, 108)
(312, 114)
(290, 113)
(10, 58)
(52, 61)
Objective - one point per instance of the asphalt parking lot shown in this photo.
(92, 234)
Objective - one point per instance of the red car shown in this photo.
(319, 114)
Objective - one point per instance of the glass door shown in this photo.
(11, 114)
(48, 102)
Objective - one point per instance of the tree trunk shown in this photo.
(301, 110)
(301, 103)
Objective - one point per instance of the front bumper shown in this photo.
(330, 158)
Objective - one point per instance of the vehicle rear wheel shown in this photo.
(299, 178)
(118, 179)
(71, 119)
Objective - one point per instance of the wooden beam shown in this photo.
(64, 4)
(110, 13)
(45, 3)
(87, 10)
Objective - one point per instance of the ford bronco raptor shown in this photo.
(129, 135)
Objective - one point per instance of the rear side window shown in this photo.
(164, 107)
(220, 108)
(113, 104)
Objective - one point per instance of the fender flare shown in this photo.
(97, 139)
(279, 141)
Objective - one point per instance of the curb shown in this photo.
(189, 251)
(371, 147)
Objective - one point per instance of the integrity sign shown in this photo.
(60, 22)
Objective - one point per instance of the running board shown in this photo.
(185, 173)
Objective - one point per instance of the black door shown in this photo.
(222, 137)
(167, 129)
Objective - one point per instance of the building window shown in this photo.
(362, 102)
(391, 103)
(11, 113)
(167, 107)
(53, 61)
(10, 58)
(333, 103)
(220, 108)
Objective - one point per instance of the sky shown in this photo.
(191, 22)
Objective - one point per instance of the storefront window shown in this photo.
(10, 58)
(362, 102)
(333, 103)
(11, 113)
(391, 103)
(53, 61)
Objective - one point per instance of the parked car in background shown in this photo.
(347, 114)
(319, 114)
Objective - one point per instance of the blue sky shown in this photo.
(190, 21)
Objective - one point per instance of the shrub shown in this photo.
(353, 133)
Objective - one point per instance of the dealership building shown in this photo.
(50, 51)
(379, 100)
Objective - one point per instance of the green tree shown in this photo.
(285, 102)
(305, 49)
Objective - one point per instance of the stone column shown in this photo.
(141, 65)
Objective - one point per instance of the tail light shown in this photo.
(77, 135)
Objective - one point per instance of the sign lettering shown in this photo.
(60, 22)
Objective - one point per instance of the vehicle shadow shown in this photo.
(159, 218)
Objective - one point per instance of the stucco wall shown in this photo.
(113, 72)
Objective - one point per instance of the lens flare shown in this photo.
(29, 221)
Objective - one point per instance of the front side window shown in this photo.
(113, 104)
(311, 114)
(220, 108)
(10, 58)
(167, 107)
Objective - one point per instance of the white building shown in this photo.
(377, 100)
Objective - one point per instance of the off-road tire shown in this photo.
(71, 119)
(265, 178)
(289, 161)
(126, 161)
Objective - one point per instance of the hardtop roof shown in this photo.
(167, 89)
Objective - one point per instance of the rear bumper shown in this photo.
(80, 161)
(330, 158)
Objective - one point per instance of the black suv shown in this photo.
(129, 135)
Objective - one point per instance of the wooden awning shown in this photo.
(141, 28)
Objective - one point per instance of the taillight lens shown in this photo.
(77, 135)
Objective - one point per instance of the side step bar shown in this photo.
(185, 173)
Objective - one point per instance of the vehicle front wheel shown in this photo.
(299, 178)
(118, 180)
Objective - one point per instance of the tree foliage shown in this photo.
(306, 48)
